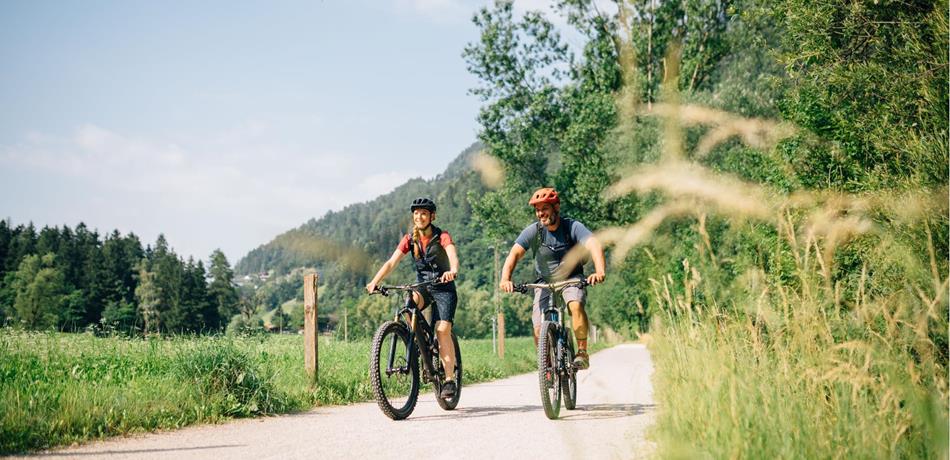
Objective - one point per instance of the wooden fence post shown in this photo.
(310, 325)
(500, 321)
(501, 335)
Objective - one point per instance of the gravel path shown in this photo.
(500, 419)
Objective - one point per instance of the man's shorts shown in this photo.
(444, 302)
(541, 296)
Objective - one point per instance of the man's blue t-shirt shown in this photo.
(554, 246)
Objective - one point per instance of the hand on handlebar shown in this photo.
(448, 276)
(371, 287)
(506, 286)
(595, 278)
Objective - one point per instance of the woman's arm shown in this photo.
(453, 264)
(385, 270)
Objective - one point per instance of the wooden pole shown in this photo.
(310, 325)
(494, 287)
(501, 335)
(498, 309)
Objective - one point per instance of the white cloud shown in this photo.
(225, 189)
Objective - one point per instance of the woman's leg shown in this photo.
(420, 303)
(443, 330)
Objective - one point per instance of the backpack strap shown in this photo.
(536, 242)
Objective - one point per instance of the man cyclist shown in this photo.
(551, 238)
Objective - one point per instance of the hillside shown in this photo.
(346, 246)
(371, 228)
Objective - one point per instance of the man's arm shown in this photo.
(597, 256)
(516, 253)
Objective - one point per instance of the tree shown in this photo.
(186, 314)
(222, 292)
(119, 315)
(280, 319)
(148, 295)
(21, 243)
(121, 255)
(168, 272)
(872, 78)
(41, 294)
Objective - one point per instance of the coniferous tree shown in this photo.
(168, 271)
(188, 316)
(223, 294)
(6, 297)
(22, 244)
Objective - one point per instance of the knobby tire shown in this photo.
(569, 380)
(388, 389)
(548, 375)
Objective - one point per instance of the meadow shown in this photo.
(57, 388)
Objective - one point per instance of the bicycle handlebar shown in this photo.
(523, 288)
(384, 289)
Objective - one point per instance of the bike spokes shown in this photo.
(569, 379)
(548, 371)
(394, 371)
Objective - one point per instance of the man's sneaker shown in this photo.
(448, 389)
(581, 361)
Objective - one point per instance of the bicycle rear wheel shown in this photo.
(548, 376)
(449, 404)
(569, 379)
(393, 371)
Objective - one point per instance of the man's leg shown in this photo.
(579, 322)
(540, 298)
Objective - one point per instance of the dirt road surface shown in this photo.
(500, 419)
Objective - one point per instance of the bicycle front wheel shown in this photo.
(394, 371)
(449, 404)
(548, 376)
(569, 379)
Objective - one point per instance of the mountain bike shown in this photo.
(557, 374)
(398, 346)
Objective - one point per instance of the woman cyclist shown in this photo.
(435, 258)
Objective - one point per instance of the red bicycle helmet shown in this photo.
(544, 195)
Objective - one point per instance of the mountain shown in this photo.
(349, 244)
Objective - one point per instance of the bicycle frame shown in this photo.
(554, 312)
(419, 328)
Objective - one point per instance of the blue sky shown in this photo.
(222, 124)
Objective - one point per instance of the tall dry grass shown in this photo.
(795, 358)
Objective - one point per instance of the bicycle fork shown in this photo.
(392, 357)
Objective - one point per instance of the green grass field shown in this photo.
(807, 381)
(57, 388)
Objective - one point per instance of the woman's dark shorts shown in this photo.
(444, 300)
